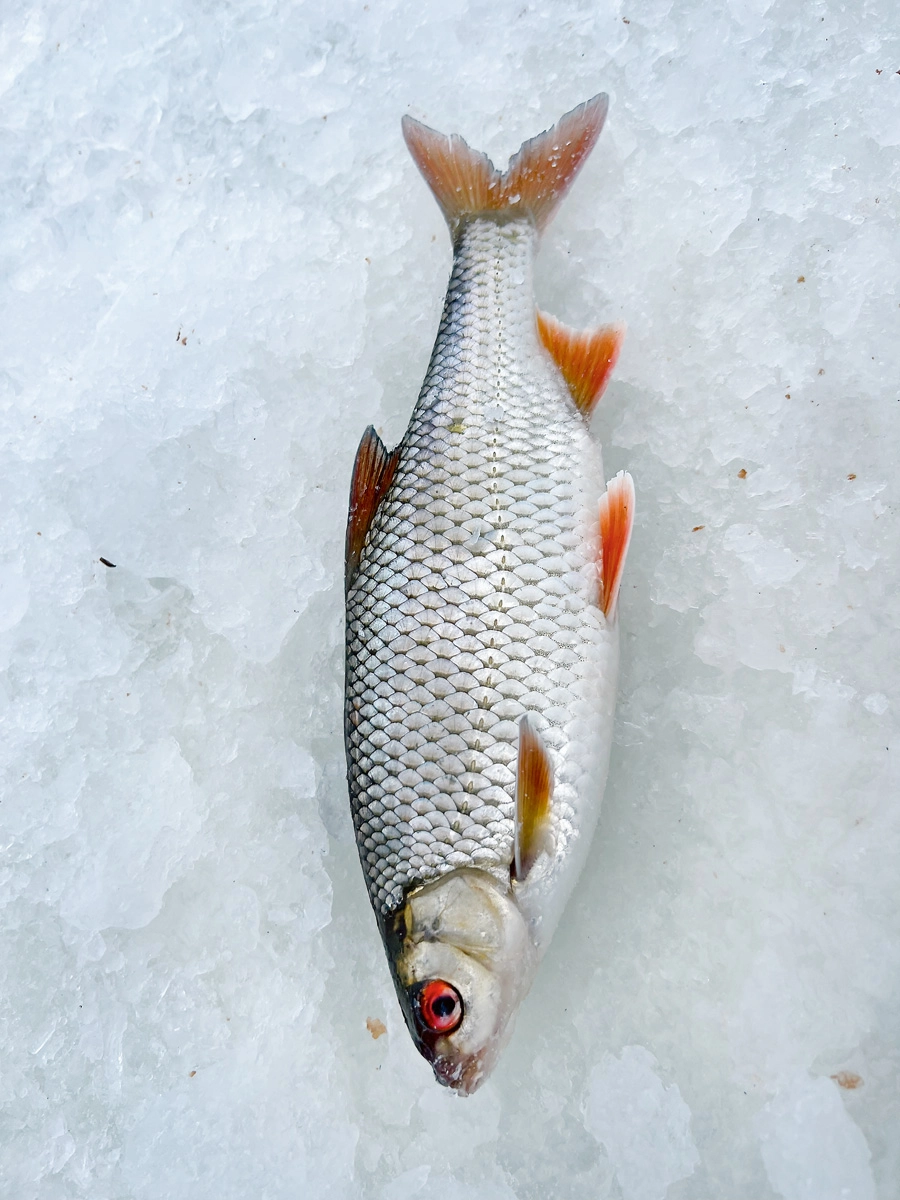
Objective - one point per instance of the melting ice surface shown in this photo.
(219, 266)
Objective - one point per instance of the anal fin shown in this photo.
(534, 790)
(616, 522)
(373, 472)
(585, 357)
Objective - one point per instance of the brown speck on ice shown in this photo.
(801, 279)
(375, 1027)
(847, 1079)
(787, 395)
(107, 563)
(781, 650)
(191, 1074)
(851, 476)
(697, 528)
(821, 370)
(742, 473)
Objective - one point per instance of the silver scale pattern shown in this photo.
(475, 599)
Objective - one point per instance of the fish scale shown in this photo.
(475, 599)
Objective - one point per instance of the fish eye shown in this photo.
(439, 1006)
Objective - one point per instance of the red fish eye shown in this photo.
(440, 1006)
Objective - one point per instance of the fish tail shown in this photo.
(466, 183)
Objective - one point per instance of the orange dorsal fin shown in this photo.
(534, 790)
(373, 472)
(616, 521)
(585, 357)
(466, 183)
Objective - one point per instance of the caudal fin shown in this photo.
(466, 183)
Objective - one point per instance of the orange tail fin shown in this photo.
(466, 183)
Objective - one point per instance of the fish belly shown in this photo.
(476, 603)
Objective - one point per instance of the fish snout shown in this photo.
(464, 1075)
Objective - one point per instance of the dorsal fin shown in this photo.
(466, 183)
(373, 472)
(616, 522)
(534, 789)
(585, 357)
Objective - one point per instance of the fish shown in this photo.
(483, 563)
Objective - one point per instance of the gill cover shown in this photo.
(462, 961)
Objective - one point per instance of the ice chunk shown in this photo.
(407, 1186)
(812, 1147)
(14, 593)
(643, 1125)
(140, 818)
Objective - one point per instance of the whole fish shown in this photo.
(483, 561)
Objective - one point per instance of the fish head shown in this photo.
(462, 960)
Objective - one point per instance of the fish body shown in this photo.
(481, 654)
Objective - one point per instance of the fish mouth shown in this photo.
(463, 1075)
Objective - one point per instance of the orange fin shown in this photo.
(616, 521)
(372, 474)
(534, 789)
(585, 358)
(466, 183)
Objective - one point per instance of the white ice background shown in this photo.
(219, 265)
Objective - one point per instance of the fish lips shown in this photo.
(463, 1075)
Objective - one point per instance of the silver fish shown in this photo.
(484, 556)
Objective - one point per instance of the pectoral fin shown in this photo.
(616, 521)
(373, 472)
(534, 790)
